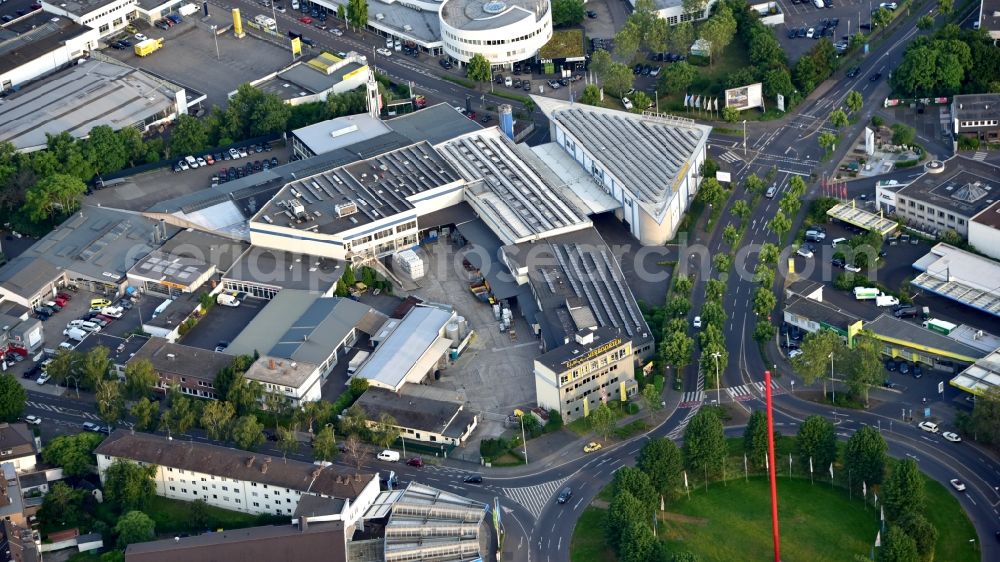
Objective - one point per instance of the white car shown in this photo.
(627, 103)
(888, 5)
(184, 165)
(957, 484)
(794, 353)
(336, 31)
(953, 437)
(234, 154)
(140, 37)
(201, 161)
(43, 378)
(32, 420)
(929, 427)
(837, 241)
(383, 51)
(697, 322)
(810, 33)
(192, 161)
(852, 268)
(804, 252)
(243, 152)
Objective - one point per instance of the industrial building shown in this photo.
(185, 262)
(960, 276)
(984, 231)
(502, 31)
(976, 116)
(106, 16)
(947, 195)
(593, 368)
(91, 93)
(648, 163)
(314, 79)
(418, 418)
(39, 44)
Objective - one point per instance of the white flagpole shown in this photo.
(831, 473)
(746, 472)
(789, 465)
(811, 471)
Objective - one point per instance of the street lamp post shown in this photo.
(718, 385)
(744, 137)
(523, 440)
(833, 383)
(215, 35)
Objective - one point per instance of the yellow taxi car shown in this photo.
(591, 447)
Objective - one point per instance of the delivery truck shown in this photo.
(939, 326)
(228, 299)
(886, 300)
(147, 47)
(187, 9)
(356, 363)
(865, 293)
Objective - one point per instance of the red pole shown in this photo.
(772, 465)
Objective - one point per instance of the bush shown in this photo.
(492, 448)
(968, 143)
(555, 422)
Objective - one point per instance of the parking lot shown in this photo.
(803, 15)
(223, 324)
(188, 57)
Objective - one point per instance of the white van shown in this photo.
(388, 456)
(771, 191)
(507, 81)
(84, 325)
(818, 3)
(295, 4)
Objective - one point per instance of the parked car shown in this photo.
(794, 353)
(875, 77)
(32, 420)
(953, 437)
(805, 252)
(43, 378)
(416, 461)
(891, 366)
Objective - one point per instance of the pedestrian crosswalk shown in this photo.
(979, 156)
(56, 409)
(741, 393)
(776, 389)
(731, 157)
(692, 399)
(534, 498)
(676, 432)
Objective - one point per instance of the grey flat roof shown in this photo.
(24, 275)
(161, 267)
(901, 329)
(989, 216)
(965, 187)
(412, 412)
(302, 80)
(977, 106)
(321, 541)
(558, 357)
(176, 359)
(406, 346)
(424, 25)
(376, 188)
(285, 270)
(990, 16)
(651, 155)
(83, 7)
(267, 328)
(320, 329)
(434, 124)
(510, 184)
(981, 376)
(579, 268)
(217, 250)
(82, 97)
(482, 15)
(33, 37)
(120, 350)
(804, 287)
(820, 312)
(961, 276)
(332, 134)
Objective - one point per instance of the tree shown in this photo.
(600, 63)
(681, 37)
(479, 69)
(780, 224)
(816, 442)
(244, 394)
(624, 510)
(63, 504)
(764, 301)
(74, 453)
(591, 95)
(946, 7)
(865, 365)
(355, 451)
(985, 420)
(755, 438)
(12, 398)
(109, 149)
(146, 413)
(652, 398)
(838, 118)
(602, 420)
(247, 432)
(133, 527)
(641, 102)
(711, 191)
(637, 542)
(864, 456)
(897, 546)
(827, 141)
(567, 12)
(627, 41)
(713, 313)
(656, 33)
(357, 13)
(719, 30)
(904, 492)
(778, 81)
(128, 486)
(881, 17)
(704, 442)
(109, 401)
(140, 378)
(386, 431)
(287, 442)
(741, 209)
(94, 366)
(903, 134)
(618, 79)
(252, 113)
(854, 101)
(814, 361)
(730, 114)
(313, 412)
(189, 135)
(676, 78)
(663, 463)
(754, 185)
(769, 253)
(55, 194)
(676, 350)
(183, 414)
(923, 533)
(763, 331)
(325, 445)
(217, 417)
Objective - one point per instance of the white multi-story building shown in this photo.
(106, 16)
(239, 480)
(40, 44)
(503, 31)
(673, 11)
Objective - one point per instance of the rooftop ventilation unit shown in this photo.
(346, 209)
(299, 209)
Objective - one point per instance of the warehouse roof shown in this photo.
(82, 97)
(434, 124)
(415, 342)
(895, 328)
(315, 542)
(332, 134)
(35, 36)
(650, 154)
(285, 270)
(412, 412)
(981, 376)
(965, 187)
(990, 216)
(302, 79)
(961, 276)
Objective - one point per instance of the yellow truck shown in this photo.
(143, 48)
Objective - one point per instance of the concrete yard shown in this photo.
(494, 375)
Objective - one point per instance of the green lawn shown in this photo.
(174, 516)
(711, 78)
(818, 523)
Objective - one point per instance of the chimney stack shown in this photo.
(303, 523)
(270, 364)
